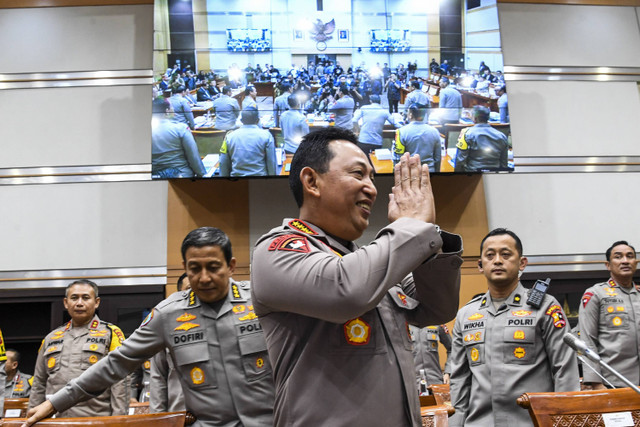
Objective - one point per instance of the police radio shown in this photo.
(537, 293)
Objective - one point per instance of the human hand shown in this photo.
(411, 195)
(39, 412)
(446, 378)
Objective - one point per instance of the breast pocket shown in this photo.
(255, 361)
(616, 320)
(473, 341)
(192, 361)
(519, 345)
(91, 353)
(52, 358)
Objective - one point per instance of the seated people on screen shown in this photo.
(281, 103)
(17, 384)
(373, 117)
(450, 103)
(249, 150)
(174, 152)
(182, 107)
(250, 95)
(417, 96)
(418, 138)
(426, 355)
(503, 346)
(481, 147)
(202, 93)
(227, 110)
(608, 320)
(343, 108)
(294, 125)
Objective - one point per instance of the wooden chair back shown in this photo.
(14, 405)
(163, 419)
(434, 416)
(441, 393)
(138, 408)
(579, 408)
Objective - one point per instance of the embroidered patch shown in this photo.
(98, 333)
(249, 316)
(616, 321)
(290, 242)
(238, 309)
(357, 332)
(556, 314)
(186, 326)
(147, 364)
(475, 354)
(445, 329)
(619, 308)
(475, 316)
(94, 324)
(51, 362)
(259, 362)
(403, 298)
(521, 313)
(518, 335)
(93, 347)
(473, 337)
(93, 359)
(197, 376)
(610, 309)
(301, 226)
(51, 349)
(585, 298)
(519, 352)
(192, 298)
(185, 317)
(147, 319)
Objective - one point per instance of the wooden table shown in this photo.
(287, 161)
(381, 166)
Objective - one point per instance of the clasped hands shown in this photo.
(411, 196)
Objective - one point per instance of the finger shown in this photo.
(405, 174)
(396, 174)
(415, 174)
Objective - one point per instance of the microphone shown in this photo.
(580, 347)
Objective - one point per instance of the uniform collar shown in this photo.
(515, 299)
(613, 284)
(309, 229)
(235, 296)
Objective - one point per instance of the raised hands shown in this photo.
(411, 195)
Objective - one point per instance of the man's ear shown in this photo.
(309, 180)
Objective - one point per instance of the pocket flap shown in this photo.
(191, 353)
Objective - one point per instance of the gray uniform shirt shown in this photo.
(280, 105)
(499, 354)
(343, 109)
(166, 390)
(173, 146)
(182, 110)
(3, 373)
(426, 356)
(19, 386)
(294, 126)
(420, 138)
(451, 101)
(338, 315)
(227, 111)
(248, 151)
(67, 352)
(373, 118)
(609, 323)
(481, 147)
(221, 357)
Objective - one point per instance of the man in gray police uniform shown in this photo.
(336, 313)
(214, 338)
(608, 319)
(373, 116)
(426, 356)
(481, 146)
(227, 110)
(503, 347)
(18, 384)
(418, 138)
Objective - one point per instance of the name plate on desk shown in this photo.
(12, 413)
(618, 419)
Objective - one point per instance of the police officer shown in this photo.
(294, 125)
(248, 151)
(18, 384)
(227, 110)
(182, 107)
(426, 356)
(343, 107)
(481, 147)
(3, 373)
(337, 314)
(503, 347)
(71, 349)
(608, 320)
(417, 96)
(450, 102)
(373, 117)
(418, 137)
(214, 338)
(281, 103)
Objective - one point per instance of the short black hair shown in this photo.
(16, 354)
(416, 84)
(179, 89)
(375, 99)
(417, 111)
(315, 153)
(82, 282)
(207, 236)
(180, 280)
(501, 232)
(249, 89)
(250, 116)
(160, 106)
(619, 242)
(226, 89)
(481, 113)
(292, 100)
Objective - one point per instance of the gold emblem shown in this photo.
(185, 317)
(519, 352)
(475, 316)
(259, 362)
(475, 354)
(617, 321)
(147, 365)
(51, 362)
(357, 331)
(619, 308)
(50, 349)
(610, 309)
(197, 376)
(95, 333)
(518, 335)
(93, 347)
(239, 308)
(93, 359)
(186, 326)
(521, 313)
(249, 316)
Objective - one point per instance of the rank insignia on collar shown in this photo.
(290, 242)
(68, 326)
(484, 302)
(516, 298)
(186, 326)
(585, 298)
(185, 317)
(239, 308)
(301, 226)
(94, 324)
(475, 316)
(192, 298)
(235, 292)
(357, 332)
(249, 316)
(521, 313)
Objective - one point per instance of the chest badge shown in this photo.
(475, 316)
(186, 326)
(249, 316)
(475, 354)
(51, 362)
(518, 335)
(521, 313)
(259, 362)
(238, 308)
(93, 359)
(616, 321)
(147, 365)
(185, 317)
(197, 375)
(357, 332)
(519, 352)
(93, 347)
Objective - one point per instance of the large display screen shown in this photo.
(239, 83)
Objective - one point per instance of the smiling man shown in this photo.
(74, 347)
(214, 340)
(609, 315)
(503, 346)
(336, 316)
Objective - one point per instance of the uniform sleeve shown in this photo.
(338, 288)
(398, 147)
(562, 359)
(270, 156)
(189, 115)
(40, 376)
(460, 377)
(120, 391)
(437, 152)
(159, 401)
(588, 323)
(462, 152)
(445, 339)
(135, 382)
(225, 160)
(357, 115)
(192, 154)
(146, 341)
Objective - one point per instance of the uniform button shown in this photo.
(432, 244)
